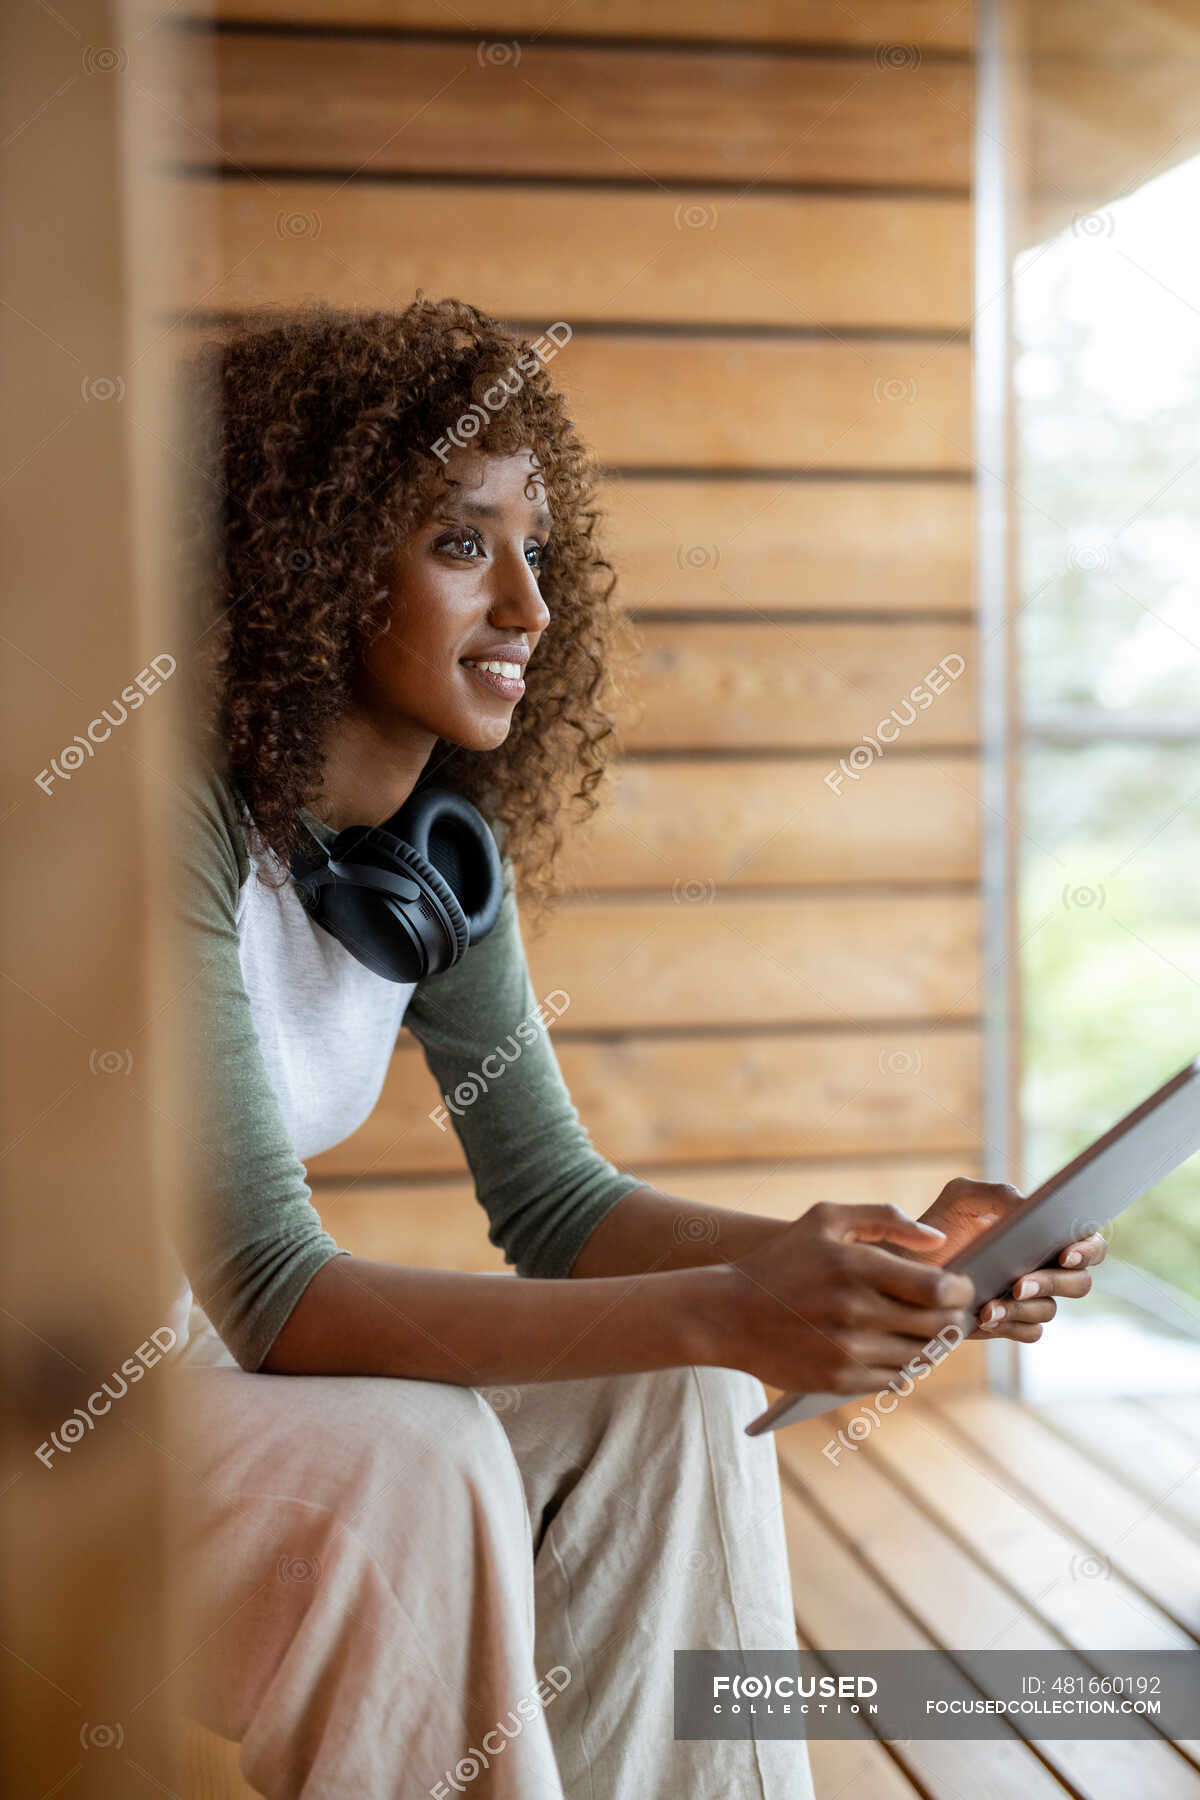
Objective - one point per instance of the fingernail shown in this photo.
(994, 1314)
(1071, 1258)
(1024, 1289)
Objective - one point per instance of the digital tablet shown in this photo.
(1101, 1182)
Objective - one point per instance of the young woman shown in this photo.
(409, 1586)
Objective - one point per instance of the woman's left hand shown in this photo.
(961, 1209)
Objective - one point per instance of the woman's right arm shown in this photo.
(822, 1308)
(358, 1317)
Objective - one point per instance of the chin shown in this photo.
(477, 734)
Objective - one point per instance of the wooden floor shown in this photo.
(973, 1522)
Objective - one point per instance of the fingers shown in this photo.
(1015, 1312)
(864, 1380)
(1033, 1297)
(1022, 1334)
(920, 1284)
(964, 1203)
(965, 1187)
(871, 1224)
(879, 1350)
(1085, 1252)
(1066, 1284)
(916, 1323)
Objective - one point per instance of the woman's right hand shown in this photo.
(823, 1308)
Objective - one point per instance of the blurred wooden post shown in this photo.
(87, 1151)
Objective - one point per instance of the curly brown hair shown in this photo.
(315, 432)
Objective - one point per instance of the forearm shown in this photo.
(649, 1229)
(358, 1317)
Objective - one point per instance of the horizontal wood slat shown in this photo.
(753, 961)
(702, 544)
(797, 685)
(546, 254)
(441, 1225)
(695, 402)
(653, 1100)
(679, 402)
(868, 23)
(423, 106)
(697, 824)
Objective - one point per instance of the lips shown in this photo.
(501, 675)
(500, 668)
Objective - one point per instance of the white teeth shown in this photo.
(511, 671)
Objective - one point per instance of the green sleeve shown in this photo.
(250, 1239)
(539, 1179)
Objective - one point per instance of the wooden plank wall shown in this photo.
(756, 220)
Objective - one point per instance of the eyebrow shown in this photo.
(482, 509)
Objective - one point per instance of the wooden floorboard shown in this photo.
(843, 1769)
(1181, 1412)
(1119, 1529)
(849, 1771)
(842, 1605)
(876, 1565)
(1124, 1437)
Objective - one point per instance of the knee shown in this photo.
(401, 1468)
(705, 1396)
(715, 1406)
(730, 1399)
(446, 1452)
(702, 1409)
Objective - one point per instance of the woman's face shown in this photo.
(464, 595)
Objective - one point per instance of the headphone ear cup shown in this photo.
(401, 937)
(454, 837)
(428, 876)
(407, 898)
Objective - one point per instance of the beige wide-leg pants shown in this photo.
(409, 1590)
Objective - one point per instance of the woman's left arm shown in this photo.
(649, 1229)
(555, 1205)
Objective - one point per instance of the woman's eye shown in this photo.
(467, 546)
(456, 539)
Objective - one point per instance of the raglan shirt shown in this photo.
(286, 1044)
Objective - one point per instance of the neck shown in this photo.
(370, 770)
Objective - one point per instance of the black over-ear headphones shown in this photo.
(410, 896)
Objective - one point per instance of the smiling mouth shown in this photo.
(510, 670)
(503, 678)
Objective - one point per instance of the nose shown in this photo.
(516, 600)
